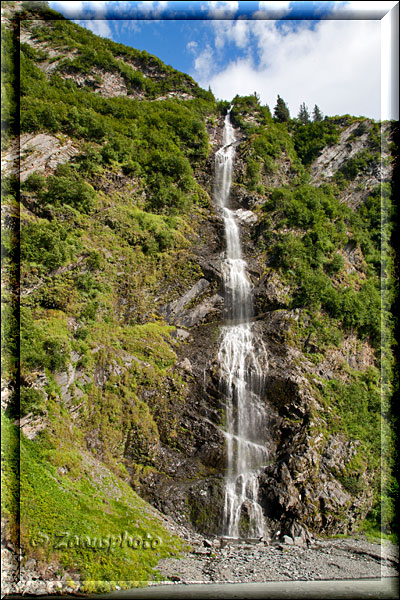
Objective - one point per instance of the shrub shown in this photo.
(62, 190)
(41, 347)
(58, 294)
(31, 401)
(35, 182)
(357, 163)
(311, 138)
(309, 257)
(46, 243)
(335, 265)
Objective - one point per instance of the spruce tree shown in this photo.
(317, 114)
(304, 115)
(281, 111)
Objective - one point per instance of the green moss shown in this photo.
(351, 483)
(10, 467)
(65, 499)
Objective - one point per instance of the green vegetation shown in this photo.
(358, 406)
(330, 257)
(167, 139)
(247, 112)
(105, 55)
(151, 146)
(61, 492)
(10, 477)
(304, 115)
(99, 237)
(281, 111)
(267, 142)
(358, 163)
(106, 240)
(9, 123)
(316, 236)
(311, 138)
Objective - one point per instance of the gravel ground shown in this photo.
(222, 561)
(344, 558)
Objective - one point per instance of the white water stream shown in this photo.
(241, 366)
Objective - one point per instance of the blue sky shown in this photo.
(325, 53)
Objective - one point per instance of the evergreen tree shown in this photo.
(304, 115)
(317, 114)
(281, 111)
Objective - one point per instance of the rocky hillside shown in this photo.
(118, 406)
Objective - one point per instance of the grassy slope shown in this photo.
(59, 509)
(122, 244)
(114, 245)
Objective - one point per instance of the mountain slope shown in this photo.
(121, 300)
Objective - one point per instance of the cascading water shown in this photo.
(241, 368)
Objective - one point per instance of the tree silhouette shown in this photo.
(281, 111)
(304, 115)
(317, 114)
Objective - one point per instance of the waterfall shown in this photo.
(241, 368)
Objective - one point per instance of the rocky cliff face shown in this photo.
(310, 482)
(122, 298)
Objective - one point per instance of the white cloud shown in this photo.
(240, 77)
(126, 26)
(69, 9)
(80, 11)
(222, 9)
(86, 8)
(98, 26)
(203, 64)
(229, 31)
(274, 9)
(191, 46)
(336, 65)
(151, 8)
(98, 8)
(98, 22)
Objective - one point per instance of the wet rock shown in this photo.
(197, 503)
(246, 216)
(269, 292)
